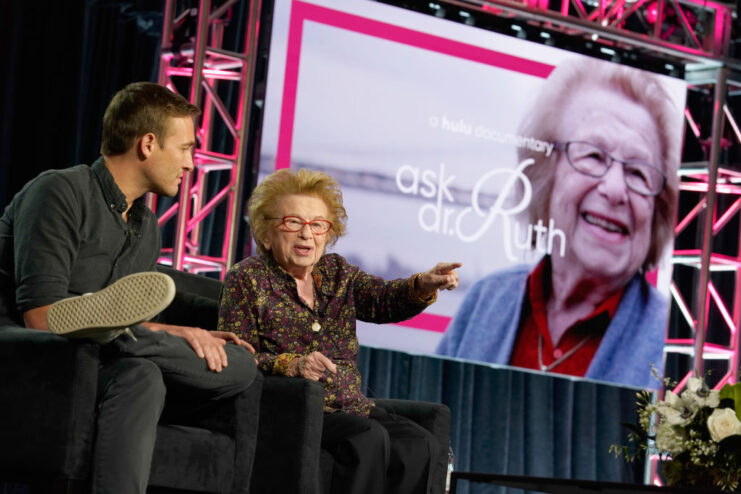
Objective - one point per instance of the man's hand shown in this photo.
(36, 318)
(208, 345)
(312, 366)
(204, 344)
(230, 337)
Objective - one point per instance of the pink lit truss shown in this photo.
(690, 27)
(208, 70)
(713, 189)
(711, 193)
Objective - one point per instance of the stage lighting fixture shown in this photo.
(652, 12)
(438, 10)
(467, 17)
(519, 30)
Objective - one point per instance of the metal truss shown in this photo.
(200, 66)
(708, 304)
(682, 28)
(710, 322)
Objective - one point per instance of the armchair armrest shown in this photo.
(193, 283)
(435, 417)
(247, 420)
(48, 397)
(290, 436)
(190, 309)
(196, 301)
(215, 441)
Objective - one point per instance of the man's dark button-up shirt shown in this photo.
(63, 235)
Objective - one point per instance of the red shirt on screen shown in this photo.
(534, 322)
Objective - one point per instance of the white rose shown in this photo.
(723, 423)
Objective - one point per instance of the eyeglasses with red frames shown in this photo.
(296, 224)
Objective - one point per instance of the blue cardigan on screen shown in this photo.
(485, 329)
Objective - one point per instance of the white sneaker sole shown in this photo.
(133, 299)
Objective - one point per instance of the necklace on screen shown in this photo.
(546, 368)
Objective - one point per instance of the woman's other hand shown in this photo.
(311, 366)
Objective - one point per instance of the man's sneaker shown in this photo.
(105, 314)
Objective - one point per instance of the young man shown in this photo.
(86, 229)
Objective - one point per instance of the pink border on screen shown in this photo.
(302, 11)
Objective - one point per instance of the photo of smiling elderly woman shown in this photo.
(611, 187)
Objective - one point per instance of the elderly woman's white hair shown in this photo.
(543, 123)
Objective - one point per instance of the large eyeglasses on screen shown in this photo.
(590, 159)
(295, 224)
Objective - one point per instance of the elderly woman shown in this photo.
(610, 187)
(297, 306)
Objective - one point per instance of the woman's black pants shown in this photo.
(384, 453)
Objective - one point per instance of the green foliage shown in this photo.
(732, 392)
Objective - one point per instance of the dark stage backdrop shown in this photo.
(513, 421)
(60, 63)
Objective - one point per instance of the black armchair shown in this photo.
(47, 424)
(289, 436)
(47, 403)
(435, 417)
(47, 407)
(289, 458)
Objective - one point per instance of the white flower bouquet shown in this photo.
(697, 435)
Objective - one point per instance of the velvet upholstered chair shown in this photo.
(47, 424)
(289, 458)
(47, 406)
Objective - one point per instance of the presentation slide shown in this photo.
(550, 175)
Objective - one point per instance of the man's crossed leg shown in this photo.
(137, 369)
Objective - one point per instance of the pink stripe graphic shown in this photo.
(290, 86)
(429, 322)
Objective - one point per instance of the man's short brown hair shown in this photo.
(137, 109)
